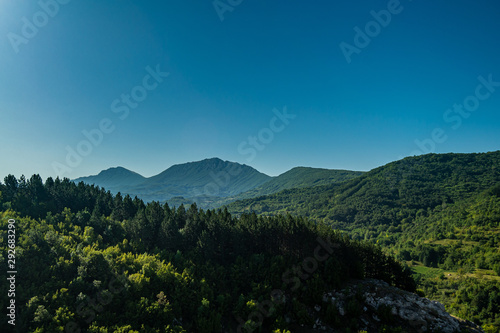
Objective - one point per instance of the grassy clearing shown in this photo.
(426, 272)
(449, 242)
(432, 273)
(480, 274)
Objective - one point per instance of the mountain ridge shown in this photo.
(211, 182)
(298, 177)
(435, 215)
(114, 177)
(208, 177)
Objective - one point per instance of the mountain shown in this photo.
(440, 213)
(204, 179)
(113, 179)
(386, 195)
(212, 182)
(390, 202)
(189, 182)
(435, 219)
(302, 177)
(298, 177)
(131, 266)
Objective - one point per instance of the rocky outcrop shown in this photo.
(377, 304)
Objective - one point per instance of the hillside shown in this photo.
(298, 177)
(101, 263)
(388, 195)
(428, 198)
(190, 270)
(438, 212)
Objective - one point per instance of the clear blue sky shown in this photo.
(61, 69)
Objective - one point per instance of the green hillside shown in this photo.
(89, 261)
(192, 270)
(298, 177)
(391, 195)
(464, 234)
(437, 211)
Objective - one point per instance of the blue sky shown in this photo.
(64, 63)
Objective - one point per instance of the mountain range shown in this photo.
(211, 182)
(435, 217)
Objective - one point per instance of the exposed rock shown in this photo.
(380, 304)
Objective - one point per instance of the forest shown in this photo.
(90, 261)
(439, 213)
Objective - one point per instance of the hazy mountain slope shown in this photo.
(300, 177)
(211, 182)
(113, 178)
(212, 177)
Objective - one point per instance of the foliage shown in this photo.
(299, 177)
(442, 210)
(102, 263)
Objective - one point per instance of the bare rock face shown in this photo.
(417, 313)
(377, 304)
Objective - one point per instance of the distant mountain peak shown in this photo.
(211, 177)
(113, 178)
(116, 170)
(213, 159)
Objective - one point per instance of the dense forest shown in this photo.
(90, 261)
(438, 212)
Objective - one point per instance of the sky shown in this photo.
(89, 85)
